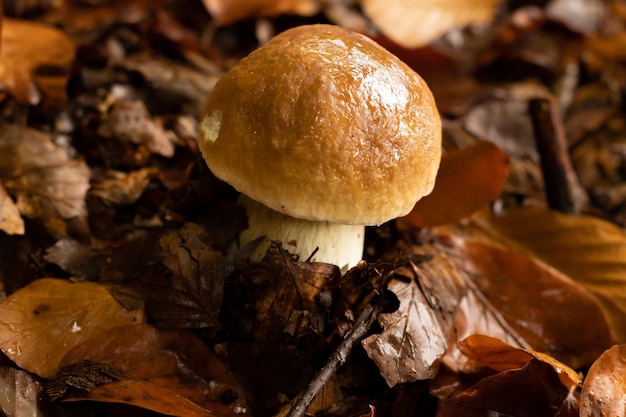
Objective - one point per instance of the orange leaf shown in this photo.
(26, 47)
(41, 322)
(413, 23)
(171, 372)
(468, 179)
(604, 389)
(501, 356)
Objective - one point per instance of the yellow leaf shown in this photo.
(41, 322)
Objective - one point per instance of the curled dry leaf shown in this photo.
(168, 371)
(501, 356)
(468, 179)
(27, 47)
(415, 23)
(40, 175)
(10, 220)
(122, 187)
(589, 250)
(604, 390)
(548, 310)
(41, 322)
(226, 12)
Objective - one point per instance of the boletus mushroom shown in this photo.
(323, 131)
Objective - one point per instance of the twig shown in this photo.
(563, 190)
(338, 358)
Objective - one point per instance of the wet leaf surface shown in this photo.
(41, 322)
(604, 389)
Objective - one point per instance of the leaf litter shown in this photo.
(125, 203)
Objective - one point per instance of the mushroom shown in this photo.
(323, 131)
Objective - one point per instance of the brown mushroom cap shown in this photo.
(324, 124)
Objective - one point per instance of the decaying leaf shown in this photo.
(468, 179)
(546, 309)
(604, 390)
(10, 220)
(42, 321)
(414, 339)
(20, 394)
(587, 249)
(122, 187)
(501, 356)
(169, 371)
(45, 182)
(412, 23)
(84, 376)
(27, 47)
(229, 11)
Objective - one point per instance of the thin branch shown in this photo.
(338, 358)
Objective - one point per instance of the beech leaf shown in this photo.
(26, 47)
(168, 371)
(42, 321)
(501, 356)
(604, 390)
(550, 311)
(468, 179)
(226, 12)
(587, 249)
(413, 23)
(40, 175)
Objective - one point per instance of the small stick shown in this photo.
(338, 358)
(562, 188)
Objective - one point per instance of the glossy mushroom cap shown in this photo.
(324, 124)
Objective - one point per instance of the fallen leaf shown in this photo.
(468, 179)
(169, 371)
(604, 390)
(548, 310)
(40, 175)
(413, 341)
(501, 356)
(226, 12)
(122, 187)
(45, 319)
(21, 394)
(533, 390)
(26, 48)
(413, 23)
(10, 220)
(587, 249)
(84, 376)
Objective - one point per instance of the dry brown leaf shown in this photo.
(501, 356)
(169, 371)
(604, 390)
(42, 321)
(548, 310)
(468, 179)
(27, 47)
(40, 175)
(414, 23)
(10, 220)
(415, 336)
(122, 187)
(587, 249)
(226, 12)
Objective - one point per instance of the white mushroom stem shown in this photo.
(332, 243)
